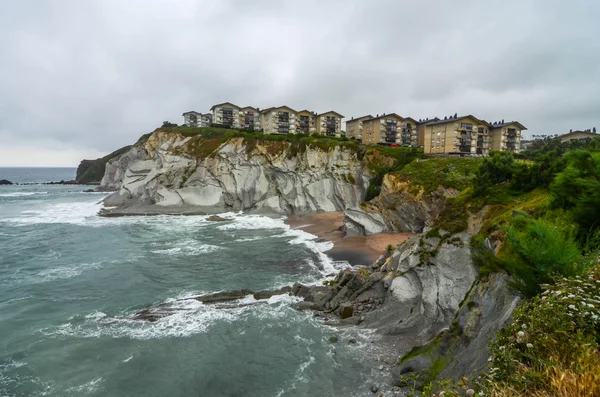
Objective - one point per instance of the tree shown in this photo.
(498, 168)
(577, 188)
(168, 124)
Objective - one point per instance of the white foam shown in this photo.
(87, 387)
(128, 359)
(63, 272)
(78, 213)
(192, 317)
(187, 248)
(21, 194)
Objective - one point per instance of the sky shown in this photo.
(81, 78)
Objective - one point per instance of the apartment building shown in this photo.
(226, 114)
(457, 134)
(329, 123)
(306, 122)
(354, 127)
(579, 135)
(279, 120)
(421, 130)
(249, 118)
(196, 119)
(390, 129)
(506, 136)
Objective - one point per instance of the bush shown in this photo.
(577, 188)
(551, 347)
(539, 251)
(168, 124)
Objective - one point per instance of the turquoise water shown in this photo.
(70, 282)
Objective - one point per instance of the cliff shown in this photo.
(414, 198)
(172, 171)
(92, 171)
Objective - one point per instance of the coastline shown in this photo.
(358, 250)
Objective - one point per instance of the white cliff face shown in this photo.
(161, 176)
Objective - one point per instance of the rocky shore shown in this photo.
(420, 302)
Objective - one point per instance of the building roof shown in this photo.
(359, 118)
(224, 103)
(278, 107)
(387, 115)
(588, 133)
(428, 120)
(453, 119)
(190, 112)
(411, 119)
(501, 124)
(331, 111)
(306, 110)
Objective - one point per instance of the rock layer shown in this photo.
(400, 207)
(161, 174)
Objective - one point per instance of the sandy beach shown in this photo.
(355, 250)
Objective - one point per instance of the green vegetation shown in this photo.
(539, 218)
(205, 140)
(382, 160)
(456, 173)
(551, 347)
(577, 189)
(168, 124)
(92, 171)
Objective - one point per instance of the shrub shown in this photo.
(578, 188)
(168, 124)
(538, 251)
(551, 347)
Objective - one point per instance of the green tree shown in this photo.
(168, 124)
(497, 168)
(578, 188)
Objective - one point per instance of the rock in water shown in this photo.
(5, 182)
(217, 218)
(333, 339)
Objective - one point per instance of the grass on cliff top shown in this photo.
(207, 139)
(456, 173)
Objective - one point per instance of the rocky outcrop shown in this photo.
(171, 173)
(92, 171)
(400, 207)
(5, 182)
(462, 349)
(413, 293)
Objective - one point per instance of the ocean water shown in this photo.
(70, 282)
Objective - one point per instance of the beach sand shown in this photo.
(355, 250)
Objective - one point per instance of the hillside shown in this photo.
(92, 171)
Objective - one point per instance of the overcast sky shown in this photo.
(81, 78)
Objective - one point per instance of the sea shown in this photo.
(70, 282)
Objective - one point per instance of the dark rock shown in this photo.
(374, 389)
(269, 293)
(333, 339)
(224, 296)
(346, 311)
(89, 191)
(217, 218)
(305, 305)
(5, 182)
(352, 341)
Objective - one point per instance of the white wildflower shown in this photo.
(470, 393)
(557, 293)
(520, 334)
(529, 346)
(572, 307)
(524, 326)
(481, 393)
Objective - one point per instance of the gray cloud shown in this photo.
(86, 77)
